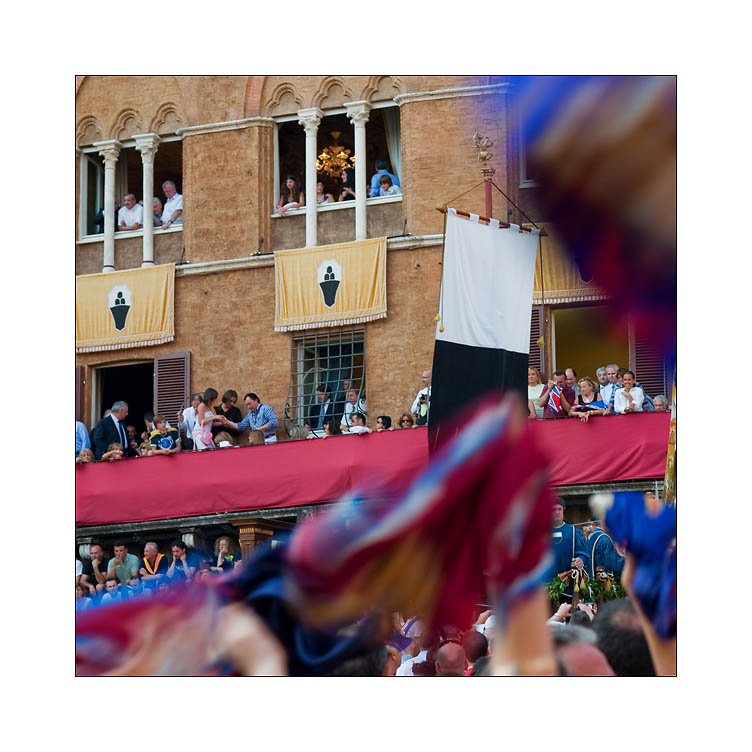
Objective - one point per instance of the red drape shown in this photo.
(295, 473)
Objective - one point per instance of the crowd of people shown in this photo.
(207, 424)
(101, 579)
(614, 391)
(591, 636)
(382, 183)
(130, 216)
(211, 423)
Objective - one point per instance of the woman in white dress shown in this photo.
(535, 387)
(205, 418)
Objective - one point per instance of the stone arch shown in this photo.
(127, 123)
(252, 101)
(167, 120)
(333, 92)
(285, 100)
(380, 88)
(89, 130)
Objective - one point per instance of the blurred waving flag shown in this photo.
(646, 528)
(603, 150)
(481, 509)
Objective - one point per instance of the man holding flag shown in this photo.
(557, 398)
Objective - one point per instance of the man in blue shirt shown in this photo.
(602, 551)
(260, 417)
(375, 189)
(568, 545)
(82, 437)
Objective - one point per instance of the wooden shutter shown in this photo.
(172, 375)
(537, 330)
(80, 395)
(648, 365)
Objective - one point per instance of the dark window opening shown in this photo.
(132, 383)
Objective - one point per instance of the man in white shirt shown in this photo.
(609, 389)
(425, 392)
(187, 420)
(173, 207)
(131, 216)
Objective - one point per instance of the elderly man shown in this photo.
(421, 403)
(173, 208)
(260, 417)
(601, 377)
(131, 216)
(608, 390)
(660, 403)
(110, 429)
(156, 212)
(154, 567)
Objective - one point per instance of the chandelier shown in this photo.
(335, 158)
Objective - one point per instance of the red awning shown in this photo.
(295, 473)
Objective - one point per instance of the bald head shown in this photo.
(451, 660)
(426, 378)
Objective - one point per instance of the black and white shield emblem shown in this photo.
(119, 300)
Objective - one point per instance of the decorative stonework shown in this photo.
(284, 100)
(462, 91)
(167, 120)
(126, 124)
(147, 144)
(88, 131)
(380, 88)
(310, 119)
(358, 112)
(109, 151)
(332, 93)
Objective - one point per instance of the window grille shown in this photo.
(330, 357)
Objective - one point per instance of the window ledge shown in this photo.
(337, 205)
(127, 234)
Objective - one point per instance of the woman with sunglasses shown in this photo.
(384, 423)
(406, 421)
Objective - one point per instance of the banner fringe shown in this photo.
(337, 322)
(123, 345)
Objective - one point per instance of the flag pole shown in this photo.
(482, 145)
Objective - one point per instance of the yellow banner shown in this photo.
(125, 309)
(557, 278)
(330, 285)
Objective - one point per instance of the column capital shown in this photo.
(358, 112)
(109, 151)
(310, 119)
(147, 144)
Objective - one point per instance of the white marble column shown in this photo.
(109, 151)
(147, 144)
(310, 119)
(358, 114)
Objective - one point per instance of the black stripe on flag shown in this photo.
(486, 300)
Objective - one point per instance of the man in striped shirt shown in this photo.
(260, 417)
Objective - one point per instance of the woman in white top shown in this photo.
(629, 399)
(205, 418)
(535, 387)
(321, 197)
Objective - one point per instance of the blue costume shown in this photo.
(603, 554)
(567, 543)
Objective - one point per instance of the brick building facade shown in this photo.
(226, 141)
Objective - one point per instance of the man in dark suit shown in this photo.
(323, 409)
(110, 429)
